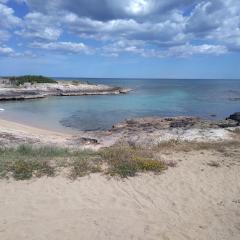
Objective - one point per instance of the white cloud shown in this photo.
(7, 18)
(4, 35)
(144, 27)
(70, 47)
(188, 50)
(38, 26)
(6, 51)
(121, 46)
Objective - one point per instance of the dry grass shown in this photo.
(126, 161)
(120, 160)
(185, 146)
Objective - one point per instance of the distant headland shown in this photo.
(34, 87)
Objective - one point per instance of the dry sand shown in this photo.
(191, 201)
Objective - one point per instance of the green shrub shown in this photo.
(22, 169)
(30, 79)
(150, 165)
(126, 161)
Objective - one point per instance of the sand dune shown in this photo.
(192, 201)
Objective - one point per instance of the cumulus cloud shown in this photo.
(187, 49)
(70, 47)
(4, 35)
(144, 27)
(6, 51)
(38, 26)
(109, 9)
(7, 17)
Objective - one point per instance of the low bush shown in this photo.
(126, 161)
(30, 79)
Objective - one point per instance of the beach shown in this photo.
(190, 201)
(197, 198)
(172, 177)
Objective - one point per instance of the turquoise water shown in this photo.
(151, 97)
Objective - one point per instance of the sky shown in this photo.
(120, 38)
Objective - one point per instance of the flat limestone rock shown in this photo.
(61, 88)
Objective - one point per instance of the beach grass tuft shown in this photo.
(126, 161)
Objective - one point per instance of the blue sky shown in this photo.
(121, 38)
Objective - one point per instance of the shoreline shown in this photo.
(140, 131)
(197, 195)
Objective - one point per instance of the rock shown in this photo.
(61, 88)
(88, 141)
(235, 117)
(182, 123)
(227, 123)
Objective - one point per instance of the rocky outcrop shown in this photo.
(173, 123)
(235, 117)
(62, 88)
(20, 95)
(150, 131)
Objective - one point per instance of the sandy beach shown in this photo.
(196, 199)
(191, 201)
(22, 133)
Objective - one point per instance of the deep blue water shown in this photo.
(151, 97)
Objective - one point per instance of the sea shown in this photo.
(205, 98)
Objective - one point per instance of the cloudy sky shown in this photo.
(121, 38)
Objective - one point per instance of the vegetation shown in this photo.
(121, 160)
(30, 79)
(77, 82)
(124, 161)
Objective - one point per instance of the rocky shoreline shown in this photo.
(61, 88)
(149, 131)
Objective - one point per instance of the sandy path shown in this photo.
(191, 201)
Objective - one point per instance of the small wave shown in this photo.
(2, 109)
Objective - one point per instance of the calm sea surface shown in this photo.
(151, 97)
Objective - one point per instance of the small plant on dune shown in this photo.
(22, 169)
(126, 161)
(150, 164)
(82, 166)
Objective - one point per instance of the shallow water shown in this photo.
(151, 97)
